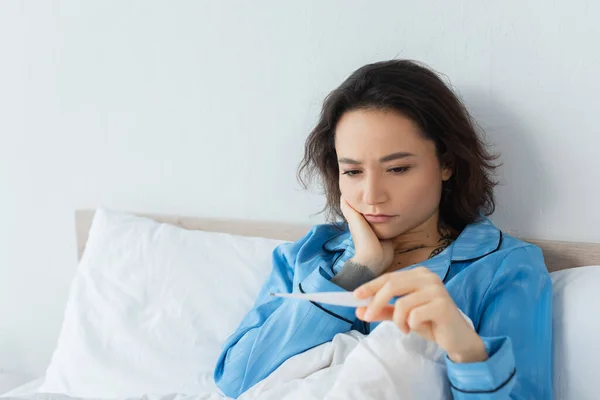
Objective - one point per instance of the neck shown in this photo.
(424, 236)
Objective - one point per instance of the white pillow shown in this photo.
(151, 305)
(576, 329)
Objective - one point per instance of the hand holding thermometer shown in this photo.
(343, 299)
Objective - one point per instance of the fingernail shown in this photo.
(368, 315)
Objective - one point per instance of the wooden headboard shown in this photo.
(558, 255)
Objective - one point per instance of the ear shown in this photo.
(447, 167)
(447, 173)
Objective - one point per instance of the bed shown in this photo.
(562, 259)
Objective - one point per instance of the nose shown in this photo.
(374, 191)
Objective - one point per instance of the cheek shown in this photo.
(348, 190)
(421, 191)
(426, 190)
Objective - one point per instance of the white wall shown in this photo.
(201, 108)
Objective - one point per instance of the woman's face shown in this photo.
(388, 171)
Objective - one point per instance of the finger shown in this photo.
(380, 300)
(344, 207)
(428, 312)
(406, 304)
(370, 288)
(404, 282)
(349, 212)
(425, 330)
(385, 314)
(399, 284)
(359, 227)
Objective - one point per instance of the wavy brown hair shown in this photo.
(417, 92)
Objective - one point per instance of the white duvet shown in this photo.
(386, 364)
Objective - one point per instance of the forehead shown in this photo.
(378, 132)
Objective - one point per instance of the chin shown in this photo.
(385, 231)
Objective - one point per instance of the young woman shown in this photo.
(402, 165)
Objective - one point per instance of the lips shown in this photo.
(378, 218)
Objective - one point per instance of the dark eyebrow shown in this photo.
(390, 157)
(396, 156)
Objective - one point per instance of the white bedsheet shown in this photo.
(383, 365)
(352, 366)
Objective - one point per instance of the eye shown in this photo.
(351, 172)
(398, 170)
